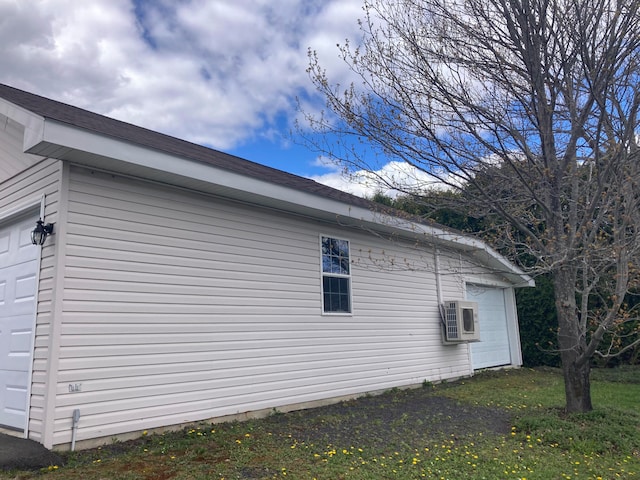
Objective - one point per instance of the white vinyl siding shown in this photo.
(180, 307)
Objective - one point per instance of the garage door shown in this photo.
(493, 349)
(18, 267)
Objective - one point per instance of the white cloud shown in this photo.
(211, 72)
(367, 183)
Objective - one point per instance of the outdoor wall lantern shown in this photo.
(39, 234)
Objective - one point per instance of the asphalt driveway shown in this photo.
(18, 453)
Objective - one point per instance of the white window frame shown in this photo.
(324, 274)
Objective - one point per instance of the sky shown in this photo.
(222, 73)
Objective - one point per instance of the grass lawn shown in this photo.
(539, 443)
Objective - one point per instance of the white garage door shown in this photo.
(493, 349)
(18, 267)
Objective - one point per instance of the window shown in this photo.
(336, 276)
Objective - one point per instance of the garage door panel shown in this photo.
(15, 244)
(15, 343)
(24, 252)
(18, 287)
(25, 286)
(14, 399)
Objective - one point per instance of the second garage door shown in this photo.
(494, 349)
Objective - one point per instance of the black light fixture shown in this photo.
(39, 234)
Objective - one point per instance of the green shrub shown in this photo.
(538, 324)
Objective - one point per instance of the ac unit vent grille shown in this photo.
(452, 321)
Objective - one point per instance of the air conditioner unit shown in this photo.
(460, 322)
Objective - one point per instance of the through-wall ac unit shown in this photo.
(460, 322)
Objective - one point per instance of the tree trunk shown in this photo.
(572, 342)
(577, 386)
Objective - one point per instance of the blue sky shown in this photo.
(222, 73)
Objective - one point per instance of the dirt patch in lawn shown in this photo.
(392, 419)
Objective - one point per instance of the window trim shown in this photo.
(324, 274)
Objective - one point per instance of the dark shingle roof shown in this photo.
(102, 125)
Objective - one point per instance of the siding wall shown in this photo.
(27, 177)
(179, 307)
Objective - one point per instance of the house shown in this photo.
(181, 284)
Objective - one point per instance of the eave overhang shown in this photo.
(54, 139)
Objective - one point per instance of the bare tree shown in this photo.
(543, 95)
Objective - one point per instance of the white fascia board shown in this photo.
(52, 132)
